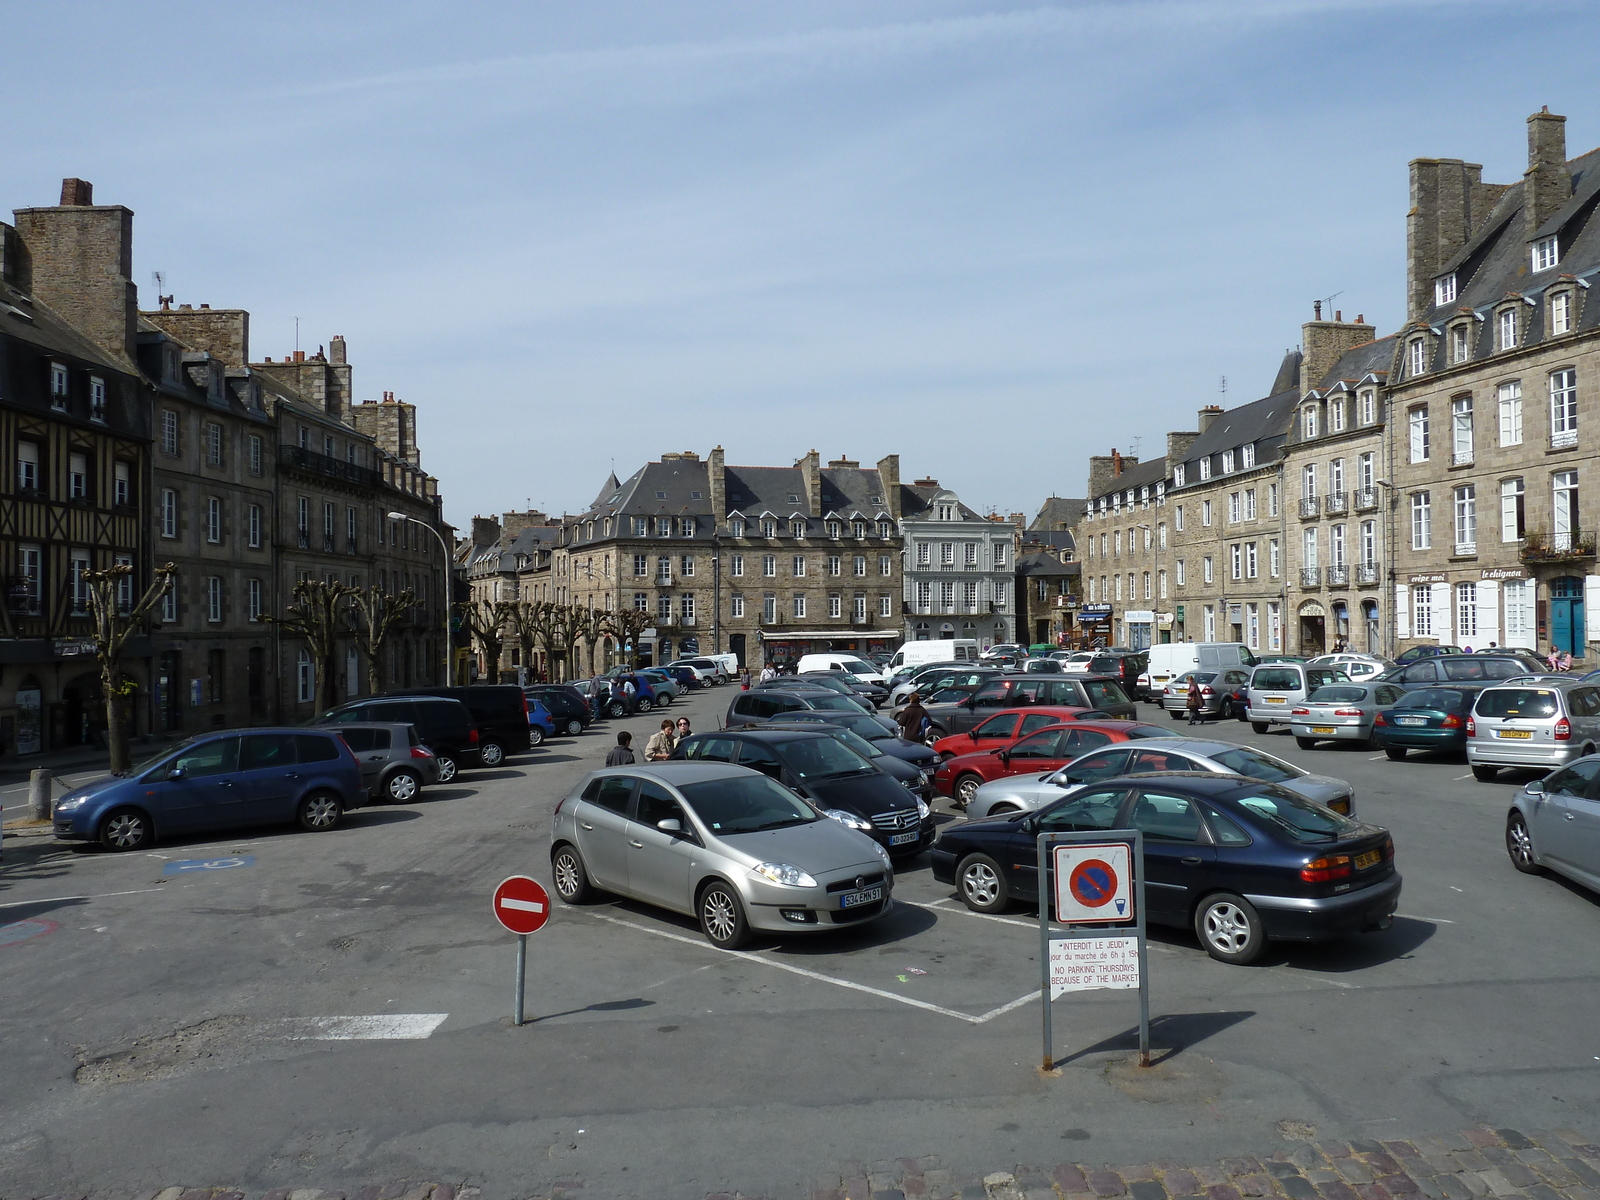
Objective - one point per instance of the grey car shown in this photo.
(724, 844)
(1025, 793)
(1554, 822)
(1542, 726)
(765, 704)
(1341, 712)
(395, 765)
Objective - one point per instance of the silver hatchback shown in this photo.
(1543, 726)
(724, 844)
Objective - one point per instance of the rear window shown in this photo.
(1518, 702)
(817, 758)
(1323, 676)
(1443, 699)
(1295, 818)
(1255, 764)
(1339, 695)
(315, 748)
(1278, 679)
(1103, 692)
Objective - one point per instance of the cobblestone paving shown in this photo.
(1482, 1162)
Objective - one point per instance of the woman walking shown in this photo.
(660, 746)
(1195, 701)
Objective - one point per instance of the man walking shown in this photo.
(622, 753)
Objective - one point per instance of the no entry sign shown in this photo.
(522, 905)
(1094, 884)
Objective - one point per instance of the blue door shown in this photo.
(198, 788)
(1566, 614)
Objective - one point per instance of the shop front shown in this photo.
(786, 648)
(1094, 626)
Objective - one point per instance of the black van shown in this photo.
(501, 713)
(445, 726)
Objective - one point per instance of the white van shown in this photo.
(1168, 660)
(848, 664)
(914, 654)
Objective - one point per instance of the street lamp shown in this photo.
(439, 537)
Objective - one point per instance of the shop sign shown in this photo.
(1139, 616)
(1428, 577)
(1503, 573)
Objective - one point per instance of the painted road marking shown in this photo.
(22, 931)
(382, 1027)
(181, 865)
(957, 907)
(65, 899)
(849, 984)
(1414, 917)
(532, 906)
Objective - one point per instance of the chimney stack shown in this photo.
(1547, 185)
(717, 482)
(889, 478)
(811, 475)
(1208, 414)
(1324, 343)
(77, 193)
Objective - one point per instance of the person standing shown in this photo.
(661, 744)
(622, 753)
(1195, 700)
(683, 728)
(767, 673)
(912, 718)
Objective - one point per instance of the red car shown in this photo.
(1047, 750)
(1007, 726)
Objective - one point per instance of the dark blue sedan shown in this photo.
(217, 781)
(1237, 860)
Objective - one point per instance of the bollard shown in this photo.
(39, 793)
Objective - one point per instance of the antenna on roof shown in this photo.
(1135, 440)
(297, 335)
(1224, 390)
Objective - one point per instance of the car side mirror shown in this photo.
(1536, 788)
(1030, 823)
(670, 825)
(1005, 756)
(973, 734)
(176, 773)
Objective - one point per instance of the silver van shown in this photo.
(1275, 688)
(1543, 726)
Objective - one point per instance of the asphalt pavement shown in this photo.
(281, 1009)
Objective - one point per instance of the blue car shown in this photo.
(221, 780)
(540, 723)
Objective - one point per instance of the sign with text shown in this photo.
(1093, 883)
(1087, 964)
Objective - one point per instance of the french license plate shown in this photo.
(901, 839)
(1411, 720)
(1370, 858)
(864, 896)
(1276, 700)
(1523, 734)
(1322, 729)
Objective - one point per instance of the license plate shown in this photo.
(864, 896)
(1276, 700)
(901, 839)
(1370, 858)
(1523, 734)
(1322, 729)
(1411, 720)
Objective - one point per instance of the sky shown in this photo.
(991, 238)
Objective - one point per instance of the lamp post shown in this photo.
(445, 550)
(1390, 539)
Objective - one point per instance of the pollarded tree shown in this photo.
(116, 618)
(371, 616)
(626, 624)
(317, 616)
(484, 622)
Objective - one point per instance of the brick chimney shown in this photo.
(926, 482)
(1547, 184)
(889, 478)
(1325, 342)
(77, 258)
(811, 477)
(1102, 471)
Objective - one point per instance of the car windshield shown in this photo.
(746, 804)
(859, 668)
(157, 759)
(1297, 819)
(1338, 695)
(1443, 699)
(1518, 702)
(857, 743)
(861, 725)
(817, 758)
(833, 703)
(1255, 764)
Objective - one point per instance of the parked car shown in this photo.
(1008, 725)
(883, 734)
(224, 780)
(942, 678)
(1280, 658)
(836, 779)
(1463, 668)
(395, 765)
(1074, 662)
(445, 725)
(1004, 650)
(911, 654)
(663, 686)
(1276, 688)
(1023, 793)
(570, 714)
(711, 670)
(1425, 651)
(1360, 667)
(872, 692)
(1168, 660)
(1239, 861)
(1341, 712)
(718, 842)
(541, 723)
(500, 711)
(685, 677)
(1129, 668)
(917, 781)
(1015, 691)
(1429, 718)
(1543, 727)
(1221, 693)
(763, 704)
(1554, 823)
(815, 681)
(849, 664)
(644, 692)
(1046, 752)
(1044, 665)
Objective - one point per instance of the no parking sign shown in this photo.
(1094, 883)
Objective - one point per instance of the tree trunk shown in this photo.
(330, 681)
(116, 718)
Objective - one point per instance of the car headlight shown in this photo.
(849, 818)
(784, 873)
(883, 855)
(922, 807)
(69, 804)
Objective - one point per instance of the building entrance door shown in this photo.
(1566, 614)
(1313, 636)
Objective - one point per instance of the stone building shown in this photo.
(1492, 404)
(1048, 590)
(960, 571)
(75, 441)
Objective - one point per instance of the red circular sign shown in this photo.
(1093, 882)
(521, 904)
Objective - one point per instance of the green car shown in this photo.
(1429, 718)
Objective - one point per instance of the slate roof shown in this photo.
(1139, 475)
(1057, 512)
(32, 321)
(1042, 562)
(1262, 423)
(1371, 358)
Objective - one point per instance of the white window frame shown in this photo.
(1466, 518)
(1460, 343)
(1421, 521)
(1274, 557)
(1461, 431)
(1418, 432)
(1417, 350)
(1513, 512)
(1506, 329)
(1561, 312)
(885, 606)
(214, 520)
(1444, 289)
(1508, 400)
(1563, 407)
(169, 513)
(1545, 253)
(214, 599)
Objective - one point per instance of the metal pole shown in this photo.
(445, 600)
(1044, 948)
(1144, 966)
(522, 977)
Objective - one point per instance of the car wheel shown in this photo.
(1240, 711)
(1483, 774)
(1175, 714)
(447, 768)
(1520, 845)
(1003, 810)
(664, 699)
(319, 812)
(722, 917)
(982, 884)
(1395, 753)
(492, 754)
(402, 787)
(1305, 743)
(935, 732)
(535, 735)
(645, 704)
(1259, 726)
(571, 877)
(1229, 927)
(616, 709)
(574, 727)
(126, 829)
(966, 787)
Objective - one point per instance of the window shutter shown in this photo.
(1488, 614)
(1402, 611)
(1591, 604)
(1443, 617)
(1519, 614)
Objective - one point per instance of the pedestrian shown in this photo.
(622, 753)
(744, 680)
(1565, 663)
(629, 692)
(683, 728)
(913, 718)
(661, 744)
(1494, 645)
(767, 673)
(1195, 700)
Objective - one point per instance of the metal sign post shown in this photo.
(522, 906)
(1091, 888)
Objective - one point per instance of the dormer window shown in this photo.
(769, 529)
(58, 385)
(1459, 345)
(1336, 415)
(736, 527)
(1205, 468)
(1545, 254)
(97, 398)
(1506, 329)
(1367, 406)
(663, 526)
(1227, 462)
(835, 528)
(1561, 312)
(1177, 478)
(1444, 289)
(641, 527)
(885, 529)
(1418, 351)
(797, 528)
(1308, 421)
(859, 528)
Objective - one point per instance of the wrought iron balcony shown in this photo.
(1310, 506)
(1310, 577)
(1366, 499)
(1339, 576)
(1336, 502)
(298, 458)
(1367, 573)
(1540, 546)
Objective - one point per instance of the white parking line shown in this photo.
(980, 1019)
(382, 1027)
(1414, 917)
(63, 899)
(1376, 757)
